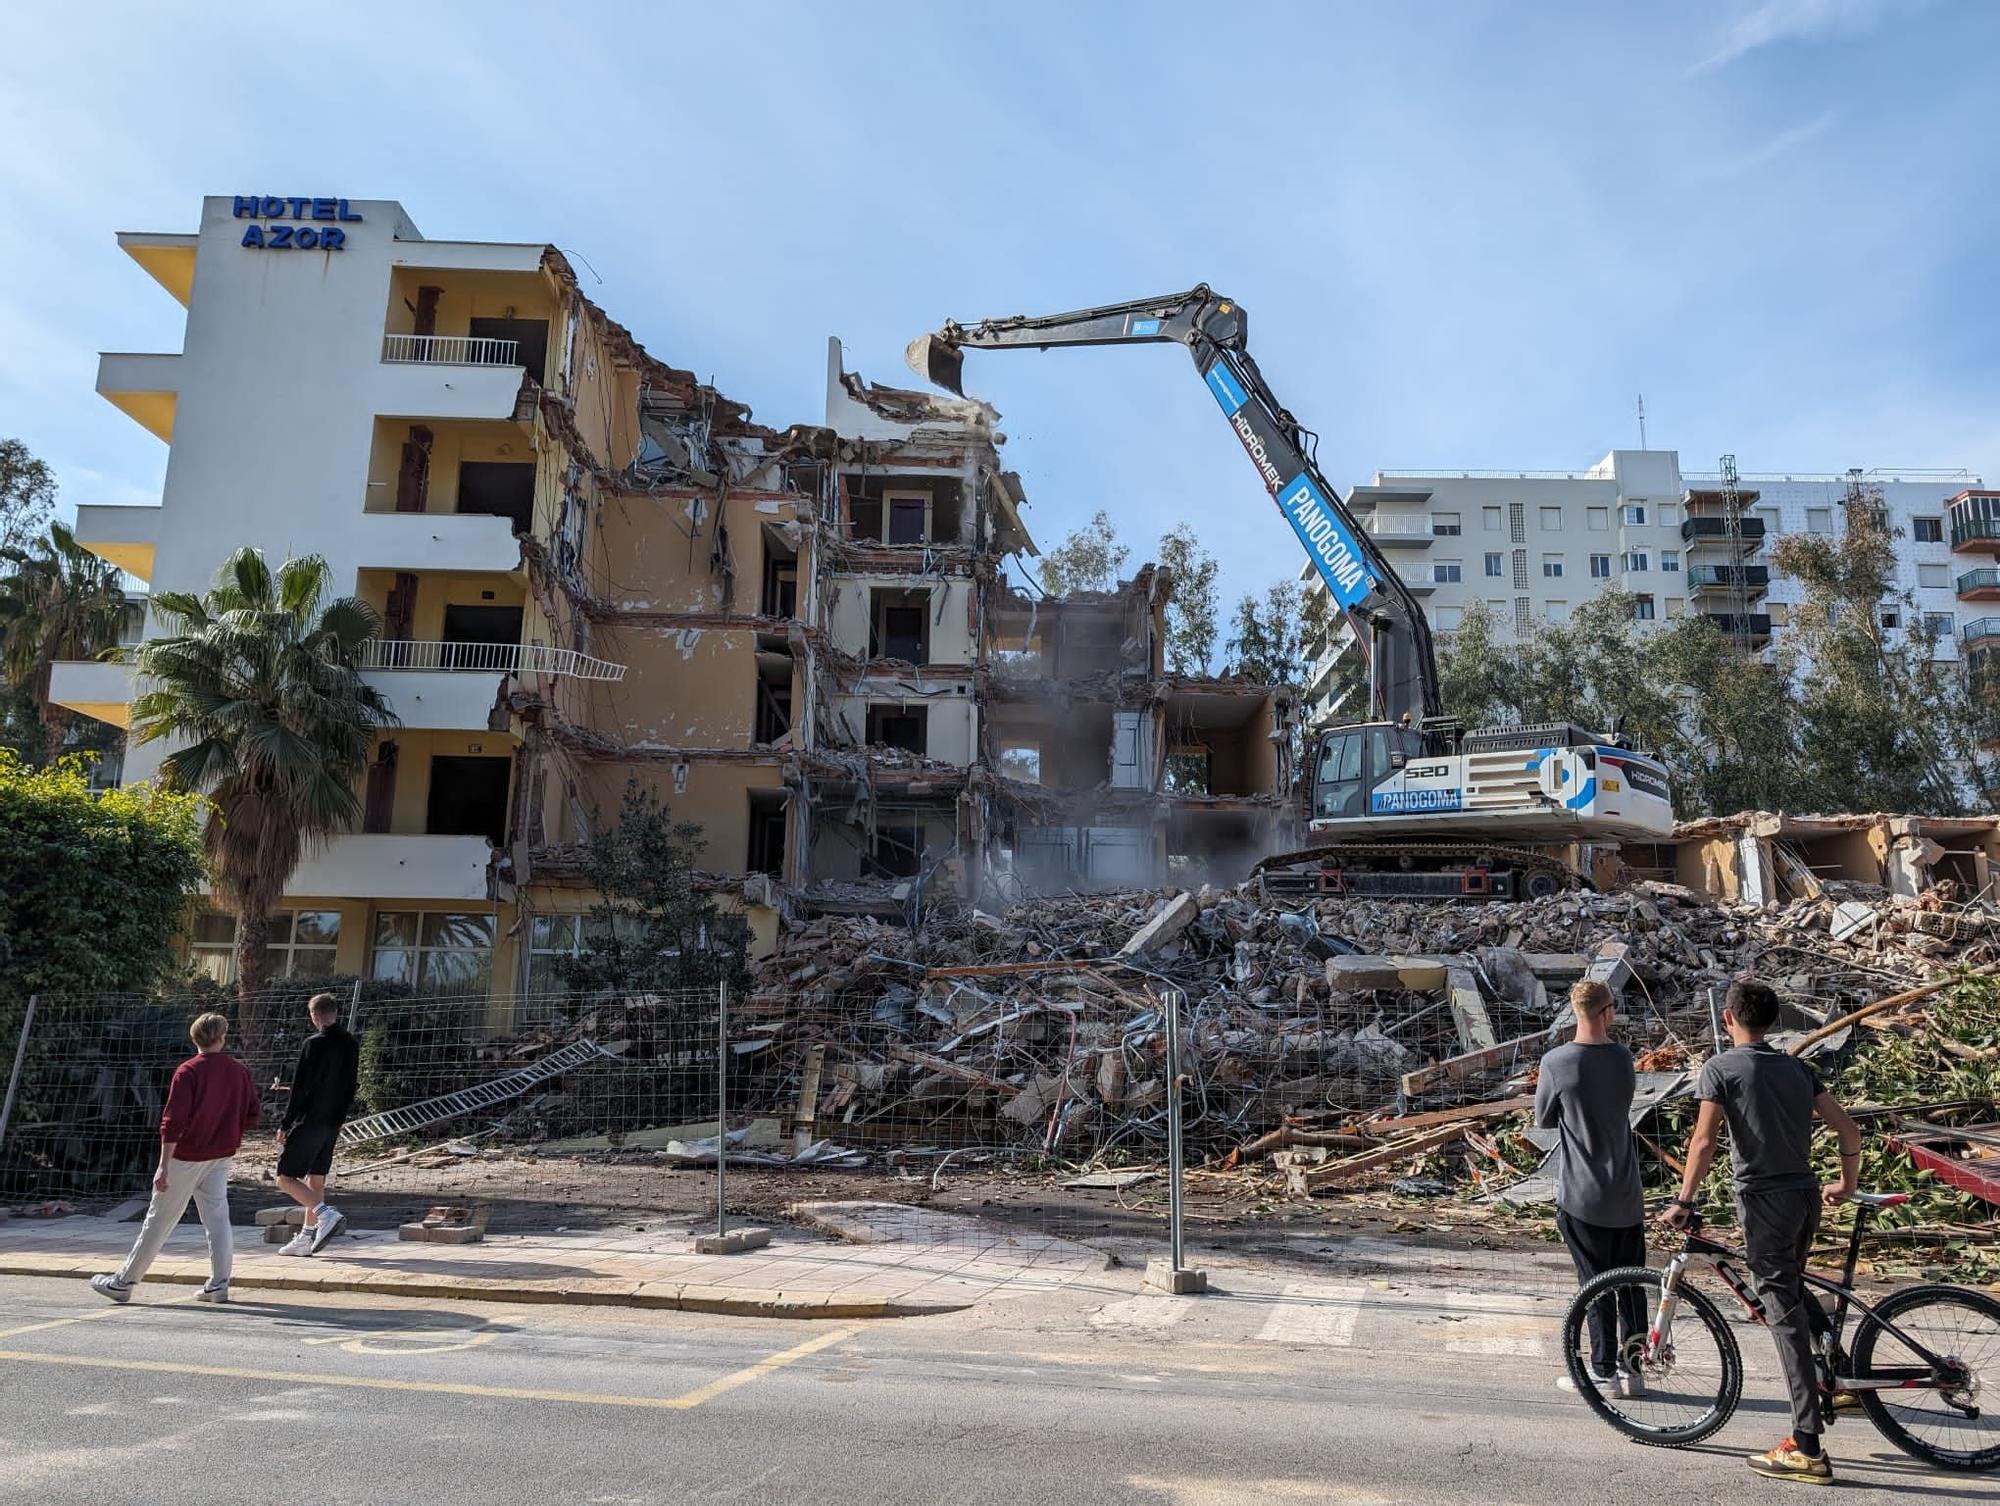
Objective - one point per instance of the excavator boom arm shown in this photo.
(1388, 621)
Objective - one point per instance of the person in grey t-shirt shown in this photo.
(1585, 1093)
(1768, 1099)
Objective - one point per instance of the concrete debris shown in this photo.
(1352, 1036)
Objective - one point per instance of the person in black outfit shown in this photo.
(323, 1087)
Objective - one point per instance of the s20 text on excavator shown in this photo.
(1406, 802)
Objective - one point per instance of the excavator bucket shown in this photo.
(938, 362)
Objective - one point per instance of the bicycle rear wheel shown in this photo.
(1930, 1423)
(1686, 1391)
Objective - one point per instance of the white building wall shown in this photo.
(1565, 518)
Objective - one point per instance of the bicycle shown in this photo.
(1920, 1360)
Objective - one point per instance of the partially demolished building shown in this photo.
(595, 570)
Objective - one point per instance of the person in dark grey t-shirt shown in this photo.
(1768, 1099)
(1585, 1093)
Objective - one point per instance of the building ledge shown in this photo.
(123, 535)
(167, 259)
(143, 385)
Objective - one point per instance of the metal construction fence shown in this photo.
(641, 1101)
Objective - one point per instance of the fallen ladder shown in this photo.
(422, 1115)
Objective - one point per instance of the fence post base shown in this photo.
(735, 1242)
(1179, 1280)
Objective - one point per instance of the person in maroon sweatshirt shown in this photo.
(210, 1105)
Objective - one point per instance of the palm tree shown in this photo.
(57, 601)
(261, 687)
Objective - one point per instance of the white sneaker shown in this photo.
(213, 1293)
(330, 1221)
(112, 1287)
(1606, 1385)
(300, 1243)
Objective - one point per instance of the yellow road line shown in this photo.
(108, 1310)
(692, 1399)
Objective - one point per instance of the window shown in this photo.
(1642, 608)
(1600, 567)
(554, 937)
(1927, 530)
(302, 944)
(1668, 515)
(904, 727)
(1934, 575)
(1637, 560)
(1494, 565)
(1938, 626)
(1633, 515)
(1489, 517)
(1445, 619)
(1774, 524)
(436, 951)
(1819, 520)
(899, 625)
(1598, 519)
(1558, 611)
(1445, 525)
(1675, 606)
(1891, 618)
(1670, 559)
(1447, 572)
(1552, 519)
(1552, 567)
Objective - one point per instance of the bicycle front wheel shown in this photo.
(1953, 1425)
(1688, 1388)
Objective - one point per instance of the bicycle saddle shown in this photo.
(1880, 1199)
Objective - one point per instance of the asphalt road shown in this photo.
(1282, 1389)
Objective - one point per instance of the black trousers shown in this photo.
(1595, 1249)
(1778, 1230)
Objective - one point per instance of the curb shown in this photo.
(738, 1302)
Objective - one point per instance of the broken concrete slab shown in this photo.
(1172, 918)
(1361, 973)
(730, 1242)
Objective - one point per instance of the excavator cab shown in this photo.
(1352, 761)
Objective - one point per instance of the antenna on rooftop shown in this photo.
(1642, 420)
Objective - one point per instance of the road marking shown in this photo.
(1512, 1332)
(410, 1340)
(1147, 1312)
(681, 1403)
(110, 1309)
(1314, 1315)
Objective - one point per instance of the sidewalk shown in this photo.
(914, 1261)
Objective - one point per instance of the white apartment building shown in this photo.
(1533, 545)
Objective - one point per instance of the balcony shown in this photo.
(418, 541)
(1754, 579)
(1716, 531)
(449, 376)
(384, 866)
(1756, 626)
(100, 688)
(145, 387)
(1980, 633)
(1974, 535)
(126, 536)
(1401, 533)
(1979, 585)
(400, 654)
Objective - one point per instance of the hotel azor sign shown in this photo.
(294, 224)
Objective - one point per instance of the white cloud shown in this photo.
(1777, 21)
(1778, 145)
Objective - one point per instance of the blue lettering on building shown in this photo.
(311, 237)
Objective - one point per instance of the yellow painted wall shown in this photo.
(452, 444)
(415, 750)
(683, 687)
(652, 554)
(714, 795)
(849, 607)
(437, 589)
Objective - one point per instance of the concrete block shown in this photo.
(443, 1234)
(1358, 973)
(735, 1242)
(1172, 918)
(287, 1214)
(1182, 1283)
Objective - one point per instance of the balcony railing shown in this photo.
(452, 350)
(1716, 530)
(486, 658)
(1985, 582)
(1753, 578)
(1984, 627)
(1975, 533)
(1752, 624)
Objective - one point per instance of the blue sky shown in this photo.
(1467, 235)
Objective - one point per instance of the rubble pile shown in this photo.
(1339, 1023)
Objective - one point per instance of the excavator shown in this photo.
(1405, 802)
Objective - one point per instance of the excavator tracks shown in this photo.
(1416, 870)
